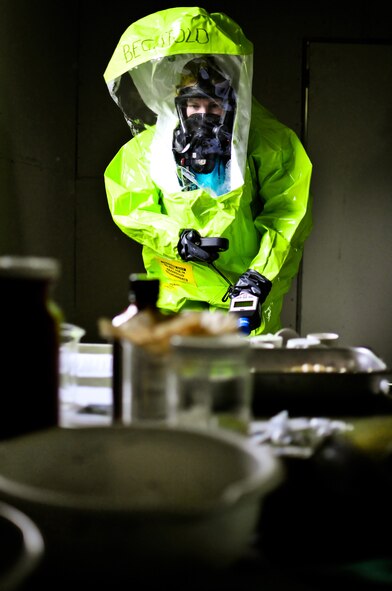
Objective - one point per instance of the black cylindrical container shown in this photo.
(29, 359)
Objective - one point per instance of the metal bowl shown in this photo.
(118, 503)
(337, 381)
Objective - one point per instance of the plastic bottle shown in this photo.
(30, 325)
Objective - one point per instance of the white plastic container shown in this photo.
(268, 341)
(303, 343)
(326, 338)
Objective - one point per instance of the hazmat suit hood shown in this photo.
(145, 77)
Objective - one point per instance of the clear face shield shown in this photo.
(193, 101)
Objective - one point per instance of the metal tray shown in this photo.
(324, 381)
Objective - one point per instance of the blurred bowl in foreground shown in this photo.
(119, 502)
(22, 548)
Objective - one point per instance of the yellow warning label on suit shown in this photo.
(177, 271)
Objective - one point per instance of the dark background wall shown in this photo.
(59, 129)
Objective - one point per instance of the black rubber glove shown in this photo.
(253, 282)
(189, 248)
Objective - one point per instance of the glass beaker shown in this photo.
(70, 337)
(211, 379)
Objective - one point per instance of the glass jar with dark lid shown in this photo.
(30, 322)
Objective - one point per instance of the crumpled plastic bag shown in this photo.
(154, 331)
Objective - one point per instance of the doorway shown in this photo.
(347, 263)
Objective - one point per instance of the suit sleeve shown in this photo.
(135, 201)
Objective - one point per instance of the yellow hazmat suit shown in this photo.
(266, 213)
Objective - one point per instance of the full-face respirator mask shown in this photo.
(201, 138)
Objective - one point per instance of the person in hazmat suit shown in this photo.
(212, 185)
